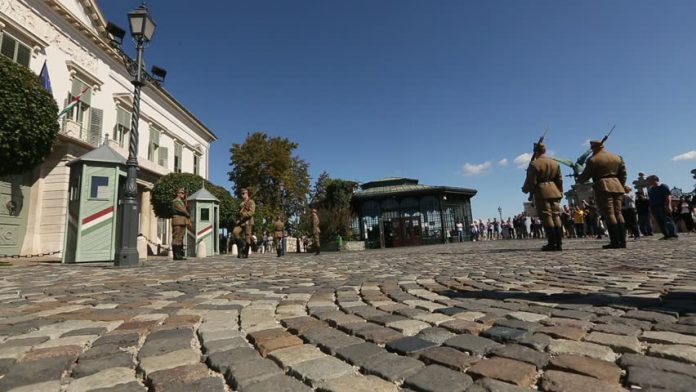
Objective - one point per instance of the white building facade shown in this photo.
(69, 37)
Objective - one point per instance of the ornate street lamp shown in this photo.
(142, 28)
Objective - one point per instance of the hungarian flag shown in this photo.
(73, 102)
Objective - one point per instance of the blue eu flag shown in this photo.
(45, 79)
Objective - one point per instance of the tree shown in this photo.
(276, 179)
(332, 199)
(165, 189)
(28, 119)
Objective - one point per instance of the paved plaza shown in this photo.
(492, 316)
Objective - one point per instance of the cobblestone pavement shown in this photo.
(497, 316)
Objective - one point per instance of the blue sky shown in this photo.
(449, 92)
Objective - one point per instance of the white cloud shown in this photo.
(586, 143)
(503, 162)
(687, 156)
(472, 169)
(522, 160)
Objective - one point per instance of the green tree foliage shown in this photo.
(164, 192)
(331, 197)
(276, 179)
(28, 119)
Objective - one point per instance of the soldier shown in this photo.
(247, 208)
(608, 173)
(278, 229)
(180, 220)
(545, 183)
(315, 229)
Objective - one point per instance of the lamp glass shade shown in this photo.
(141, 24)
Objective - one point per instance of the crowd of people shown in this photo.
(585, 221)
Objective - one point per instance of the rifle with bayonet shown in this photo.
(604, 139)
(534, 156)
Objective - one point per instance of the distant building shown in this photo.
(69, 36)
(394, 212)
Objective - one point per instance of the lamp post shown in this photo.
(500, 212)
(142, 27)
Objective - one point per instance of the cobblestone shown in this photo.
(418, 318)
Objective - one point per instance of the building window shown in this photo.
(205, 214)
(99, 187)
(13, 49)
(163, 156)
(154, 146)
(196, 164)
(177, 157)
(123, 123)
(80, 112)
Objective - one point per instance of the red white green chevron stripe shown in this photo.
(204, 232)
(97, 220)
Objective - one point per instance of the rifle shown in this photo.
(541, 140)
(604, 139)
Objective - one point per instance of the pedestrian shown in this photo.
(460, 230)
(315, 230)
(278, 229)
(643, 209)
(661, 206)
(474, 231)
(628, 210)
(579, 221)
(545, 182)
(608, 174)
(685, 213)
(247, 209)
(180, 220)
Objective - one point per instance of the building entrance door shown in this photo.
(14, 211)
(406, 231)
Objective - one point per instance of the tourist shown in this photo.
(460, 230)
(643, 209)
(661, 206)
(579, 221)
(685, 213)
(628, 210)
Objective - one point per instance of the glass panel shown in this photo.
(99, 187)
(8, 46)
(23, 55)
(205, 214)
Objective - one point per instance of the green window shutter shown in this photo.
(163, 156)
(154, 137)
(123, 118)
(95, 126)
(77, 87)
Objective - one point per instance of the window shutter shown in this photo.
(77, 87)
(123, 118)
(163, 155)
(95, 126)
(154, 137)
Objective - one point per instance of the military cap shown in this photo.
(181, 190)
(596, 143)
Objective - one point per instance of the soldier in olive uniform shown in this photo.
(315, 230)
(545, 183)
(608, 173)
(180, 219)
(278, 230)
(247, 208)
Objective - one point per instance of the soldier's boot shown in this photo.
(622, 235)
(613, 237)
(175, 252)
(559, 238)
(246, 251)
(551, 237)
(279, 249)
